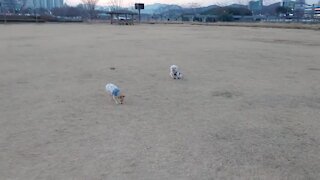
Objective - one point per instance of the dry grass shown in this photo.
(266, 25)
(248, 108)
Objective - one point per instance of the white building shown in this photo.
(46, 4)
(255, 6)
(288, 3)
(9, 5)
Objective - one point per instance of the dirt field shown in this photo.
(248, 108)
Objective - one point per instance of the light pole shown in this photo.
(139, 6)
(35, 10)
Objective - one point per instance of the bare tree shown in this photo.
(115, 4)
(90, 6)
(23, 4)
(130, 4)
(194, 6)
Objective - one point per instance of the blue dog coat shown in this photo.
(113, 89)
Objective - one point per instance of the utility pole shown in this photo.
(139, 15)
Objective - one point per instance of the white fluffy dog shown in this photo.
(174, 72)
(114, 91)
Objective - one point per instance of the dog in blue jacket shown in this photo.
(114, 91)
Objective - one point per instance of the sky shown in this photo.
(179, 2)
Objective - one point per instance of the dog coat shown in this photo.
(113, 89)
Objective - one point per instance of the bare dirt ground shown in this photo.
(248, 108)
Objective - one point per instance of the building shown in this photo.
(9, 5)
(300, 4)
(309, 11)
(317, 12)
(46, 4)
(289, 4)
(50, 4)
(256, 6)
(43, 4)
(57, 3)
(312, 11)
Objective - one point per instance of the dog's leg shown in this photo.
(173, 76)
(115, 99)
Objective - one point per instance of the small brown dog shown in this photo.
(114, 91)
